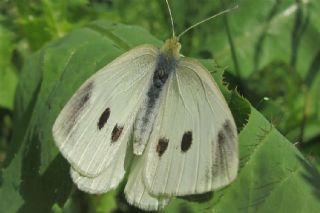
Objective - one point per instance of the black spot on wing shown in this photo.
(186, 141)
(162, 146)
(104, 118)
(116, 133)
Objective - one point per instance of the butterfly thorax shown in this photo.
(171, 48)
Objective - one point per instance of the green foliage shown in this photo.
(8, 75)
(272, 54)
(275, 56)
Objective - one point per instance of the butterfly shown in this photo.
(165, 109)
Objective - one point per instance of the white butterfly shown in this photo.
(164, 108)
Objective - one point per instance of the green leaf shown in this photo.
(8, 77)
(271, 48)
(8, 82)
(273, 173)
(263, 32)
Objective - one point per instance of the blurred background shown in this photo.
(270, 50)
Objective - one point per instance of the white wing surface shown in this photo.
(136, 192)
(98, 118)
(193, 147)
(110, 177)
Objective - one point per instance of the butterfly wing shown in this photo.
(110, 177)
(99, 116)
(193, 146)
(136, 192)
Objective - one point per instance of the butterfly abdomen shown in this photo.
(148, 111)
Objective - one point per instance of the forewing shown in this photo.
(195, 149)
(96, 120)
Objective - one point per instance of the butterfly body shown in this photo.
(166, 64)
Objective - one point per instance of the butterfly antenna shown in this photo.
(207, 19)
(171, 18)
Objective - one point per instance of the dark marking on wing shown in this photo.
(84, 96)
(220, 165)
(226, 132)
(221, 137)
(116, 132)
(162, 146)
(186, 141)
(216, 155)
(224, 149)
(78, 104)
(86, 91)
(104, 118)
(228, 128)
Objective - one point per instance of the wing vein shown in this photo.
(188, 111)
